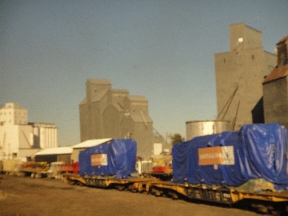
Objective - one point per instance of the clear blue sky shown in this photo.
(163, 50)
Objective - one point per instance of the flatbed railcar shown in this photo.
(267, 202)
(208, 168)
(133, 184)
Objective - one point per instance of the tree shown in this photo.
(176, 138)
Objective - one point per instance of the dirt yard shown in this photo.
(32, 197)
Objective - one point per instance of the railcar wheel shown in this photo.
(71, 182)
(275, 212)
(173, 195)
(38, 175)
(277, 209)
(156, 192)
(262, 209)
(132, 189)
(120, 187)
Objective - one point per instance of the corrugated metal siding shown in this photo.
(277, 73)
(65, 158)
(283, 39)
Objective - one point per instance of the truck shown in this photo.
(163, 172)
(33, 169)
(57, 169)
(144, 167)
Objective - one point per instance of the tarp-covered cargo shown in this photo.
(117, 157)
(234, 158)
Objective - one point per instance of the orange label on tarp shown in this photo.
(216, 155)
(211, 155)
(99, 160)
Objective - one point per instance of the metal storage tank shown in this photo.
(200, 128)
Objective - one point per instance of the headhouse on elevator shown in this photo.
(239, 75)
(113, 113)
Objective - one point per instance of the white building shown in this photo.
(20, 139)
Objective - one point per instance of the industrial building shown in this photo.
(239, 76)
(67, 154)
(21, 139)
(113, 113)
(275, 88)
(86, 144)
(49, 155)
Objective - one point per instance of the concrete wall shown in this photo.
(12, 114)
(19, 138)
(111, 122)
(92, 108)
(282, 50)
(110, 113)
(45, 135)
(239, 75)
(83, 114)
(276, 101)
(48, 137)
(244, 37)
(114, 113)
(14, 138)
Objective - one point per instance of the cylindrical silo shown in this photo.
(200, 128)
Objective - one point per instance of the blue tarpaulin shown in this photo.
(258, 151)
(118, 157)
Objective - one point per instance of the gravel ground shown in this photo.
(26, 196)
